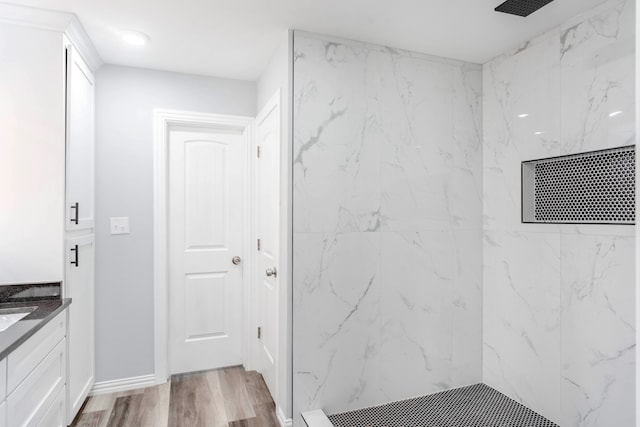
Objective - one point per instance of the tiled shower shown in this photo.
(413, 272)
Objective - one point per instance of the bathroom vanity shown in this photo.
(33, 355)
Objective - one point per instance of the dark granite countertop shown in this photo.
(30, 292)
(47, 302)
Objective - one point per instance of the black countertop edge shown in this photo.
(14, 336)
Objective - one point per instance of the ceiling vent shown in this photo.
(521, 7)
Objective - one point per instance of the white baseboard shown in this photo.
(124, 384)
(284, 421)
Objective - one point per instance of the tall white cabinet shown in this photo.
(79, 280)
(31, 153)
(47, 172)
(79, 142)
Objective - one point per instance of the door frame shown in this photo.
(163, 120)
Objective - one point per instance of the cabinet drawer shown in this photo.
(3, 379)
(30, 401)
(26, 357)
(54, 416)
(3, 414)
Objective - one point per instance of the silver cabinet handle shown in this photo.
(236, 260)
(272, 272)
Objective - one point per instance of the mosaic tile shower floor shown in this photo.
(474, 406)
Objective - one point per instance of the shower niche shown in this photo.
(596, 187)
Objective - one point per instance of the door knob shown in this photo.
(272, 272)
(236, 260)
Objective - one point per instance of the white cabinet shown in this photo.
(29, 402)
(26, 357)
(55, 415)
(35, 376)
(79, 142)
(79, 242)
(3, 414)
(31, 154)
(3, 379)
(3, 392)
(34, 141)
(47, 176)
(79, 285)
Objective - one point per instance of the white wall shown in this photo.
(559, 300)
(125, 99)
(31, 154)
(278, 76)
(387, 224)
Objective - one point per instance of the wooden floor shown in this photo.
(229, 397)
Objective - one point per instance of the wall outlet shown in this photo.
(120, 225)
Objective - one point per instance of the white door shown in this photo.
(205, 234)
(79, 286)
(267, 209)
(80, 142)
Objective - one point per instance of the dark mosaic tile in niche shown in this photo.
(596, 187)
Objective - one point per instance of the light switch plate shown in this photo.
(120, 225)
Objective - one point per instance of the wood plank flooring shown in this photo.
(229, 397)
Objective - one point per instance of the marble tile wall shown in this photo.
(558, 300)
(387, 224)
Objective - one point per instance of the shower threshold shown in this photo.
(474, 406)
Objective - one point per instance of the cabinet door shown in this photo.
(31, 154)
(80, 143)
(79, 285)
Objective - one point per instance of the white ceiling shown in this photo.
(236, 38)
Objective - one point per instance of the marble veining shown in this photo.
(412, 270)
(598, 76)
(387, 224)
(417, 314)
(558, 308)
(598, 330)
(343, 194)
(521, 329)
(335, 306)
(526, 83)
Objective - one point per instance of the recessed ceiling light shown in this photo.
(522, 116)
(615, 113)
(135, 38)
(538, 133)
